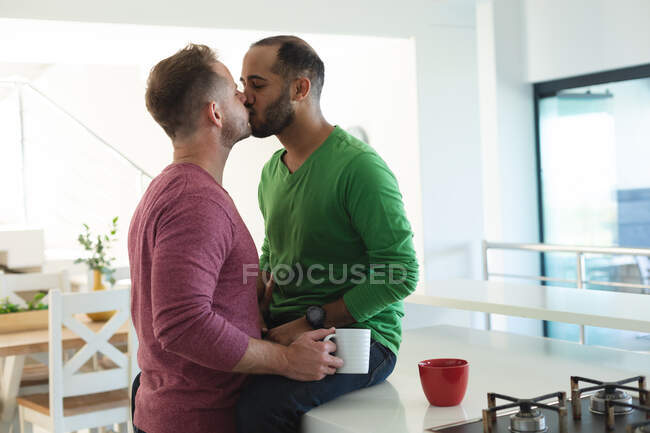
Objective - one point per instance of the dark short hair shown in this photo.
(296, 58)
(180, 85)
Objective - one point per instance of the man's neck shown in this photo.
(303, 137)
(209, 156)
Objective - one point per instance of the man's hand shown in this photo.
(309, 359)
(289, 332)
(264, 295)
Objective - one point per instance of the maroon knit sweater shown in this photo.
(192, 305)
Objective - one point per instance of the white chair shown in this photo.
(82, 400)
(12, 285)
(122, 273)
(35, 377)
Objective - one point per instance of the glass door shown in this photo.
(594, 156)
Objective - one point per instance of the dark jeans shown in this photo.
(134, 390)
(275, 404)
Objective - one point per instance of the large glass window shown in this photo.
(594, 149)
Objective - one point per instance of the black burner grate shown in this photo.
(631, 428)
(608, 387)
(525, 407)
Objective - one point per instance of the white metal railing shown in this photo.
(579, 251)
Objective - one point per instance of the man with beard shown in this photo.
(195, 316)
(337, 240)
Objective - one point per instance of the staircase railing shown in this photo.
(20, 86)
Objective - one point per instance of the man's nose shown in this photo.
(241, 97)
(248, 99)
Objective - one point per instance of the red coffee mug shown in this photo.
(444, 381)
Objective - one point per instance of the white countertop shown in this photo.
(570, 305)
(499, 362)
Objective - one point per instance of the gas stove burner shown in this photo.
(528, 421)
(637, 427)
(610, 395)
(531, 416)
(597, 403)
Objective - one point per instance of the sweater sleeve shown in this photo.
(374, 203)
(192, 242)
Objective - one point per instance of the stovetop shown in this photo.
(602, 407)
(589, 422)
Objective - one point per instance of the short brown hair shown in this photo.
(296, 57)
(180, 85)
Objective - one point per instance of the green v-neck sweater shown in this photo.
(336, 228)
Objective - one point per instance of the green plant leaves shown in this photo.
(34, 304)
(99, 259)
(7, 307)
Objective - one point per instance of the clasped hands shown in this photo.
(306, 354)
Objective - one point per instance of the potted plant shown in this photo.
(14, 318)
(99, 260)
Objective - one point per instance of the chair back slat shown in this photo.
(122, 273)
(95, 343)
(91, 302)
(67, 378)
(56, 360)
(95, 382)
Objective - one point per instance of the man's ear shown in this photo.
(215, 115)
(301, 88)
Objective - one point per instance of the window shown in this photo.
(12, 206)
(594, 177)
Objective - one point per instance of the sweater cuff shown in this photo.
(359, 304)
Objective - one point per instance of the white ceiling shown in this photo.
(370, 17)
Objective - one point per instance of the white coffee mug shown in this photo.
(353, 347)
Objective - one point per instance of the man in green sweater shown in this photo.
(337, 240)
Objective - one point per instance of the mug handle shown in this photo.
(329, 337)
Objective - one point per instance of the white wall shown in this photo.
(451, 160)
(11, 205)
(507, 124)
(450, 164)
(507, 143)
(109, 99)
(568, 38)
